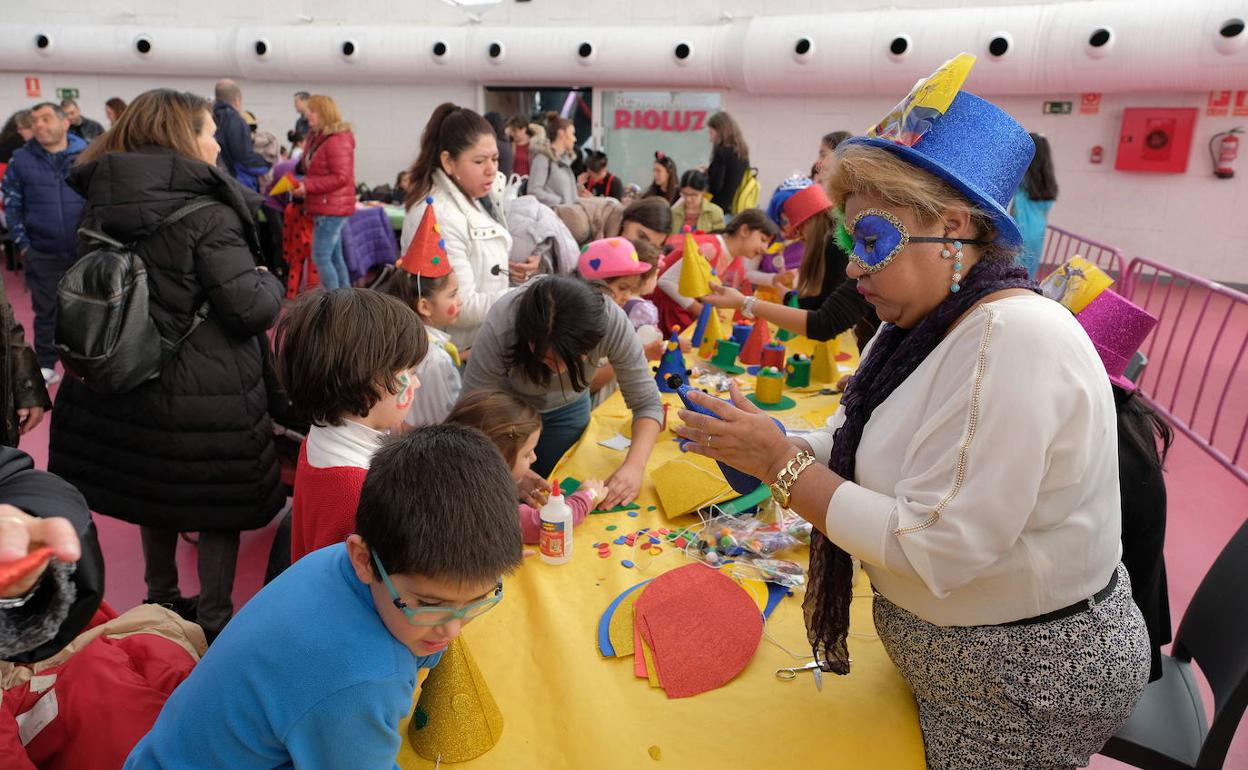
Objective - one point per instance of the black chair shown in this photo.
(1168, 730)
(1135, 369)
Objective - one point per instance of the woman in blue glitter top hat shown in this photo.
(972, 467)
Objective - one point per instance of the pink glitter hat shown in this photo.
(1117, 328)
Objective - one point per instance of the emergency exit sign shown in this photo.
(67, 93)
(1057, 108)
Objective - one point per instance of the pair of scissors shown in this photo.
(789, 674)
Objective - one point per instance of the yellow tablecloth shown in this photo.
(565, 706)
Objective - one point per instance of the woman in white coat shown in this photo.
(456, 169)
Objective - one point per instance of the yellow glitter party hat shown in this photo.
(689, 482)
(823, 367)
(712, 334)
(456, 717)
(695, 271)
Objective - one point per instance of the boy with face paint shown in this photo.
(424, 281)
(348, 359)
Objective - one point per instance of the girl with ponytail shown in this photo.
(456, 172)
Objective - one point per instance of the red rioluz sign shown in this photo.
(661, 120)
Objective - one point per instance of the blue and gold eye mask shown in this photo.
(876, 237)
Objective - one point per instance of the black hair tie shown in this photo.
(496, 270)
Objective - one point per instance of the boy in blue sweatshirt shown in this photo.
(318, 669)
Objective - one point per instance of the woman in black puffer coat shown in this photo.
(192, 450)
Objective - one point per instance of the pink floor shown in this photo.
(1207, 504)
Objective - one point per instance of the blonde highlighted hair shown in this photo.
(331, 117)
(865, 170)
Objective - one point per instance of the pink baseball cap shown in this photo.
(610, 258)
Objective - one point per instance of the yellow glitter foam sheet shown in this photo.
(689, 482)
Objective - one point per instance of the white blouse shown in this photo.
(987, 483)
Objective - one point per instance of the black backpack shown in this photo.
(105, 335)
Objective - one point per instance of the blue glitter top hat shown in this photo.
(967, 141)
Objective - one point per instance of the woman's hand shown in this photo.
(623, 486)
(744, 438)
(724, 296)
(28, 418)
(521, 271)
(534, 489)
(21, 533)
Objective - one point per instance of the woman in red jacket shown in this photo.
(328, 187)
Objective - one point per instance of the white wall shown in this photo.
(387, 118)
(1192, 220)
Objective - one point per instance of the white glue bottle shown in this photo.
(556, 533)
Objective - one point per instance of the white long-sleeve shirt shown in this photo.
(986, 485)
(439, 383)
(754, 275)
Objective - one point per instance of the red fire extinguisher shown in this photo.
(1224, 155)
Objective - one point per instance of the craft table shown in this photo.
(395, 215)
(564, 706)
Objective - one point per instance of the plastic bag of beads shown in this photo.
(763, 538)
(786, 573)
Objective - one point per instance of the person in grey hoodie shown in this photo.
(551, 179)
(544, 343)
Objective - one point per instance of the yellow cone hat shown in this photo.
(456, 717)
(823, 366)
(695, 271)
(712, 334)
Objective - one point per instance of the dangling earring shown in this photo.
(956, 284)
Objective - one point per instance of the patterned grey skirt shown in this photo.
(1039, 696)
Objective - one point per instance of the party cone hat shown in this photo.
(699, 331)
(784, 335)
(284, 185)
(672, 362)
(426, 254)
(456, 718)
(823, 366)
(710, 335)
(752, 351)
(695, 271)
